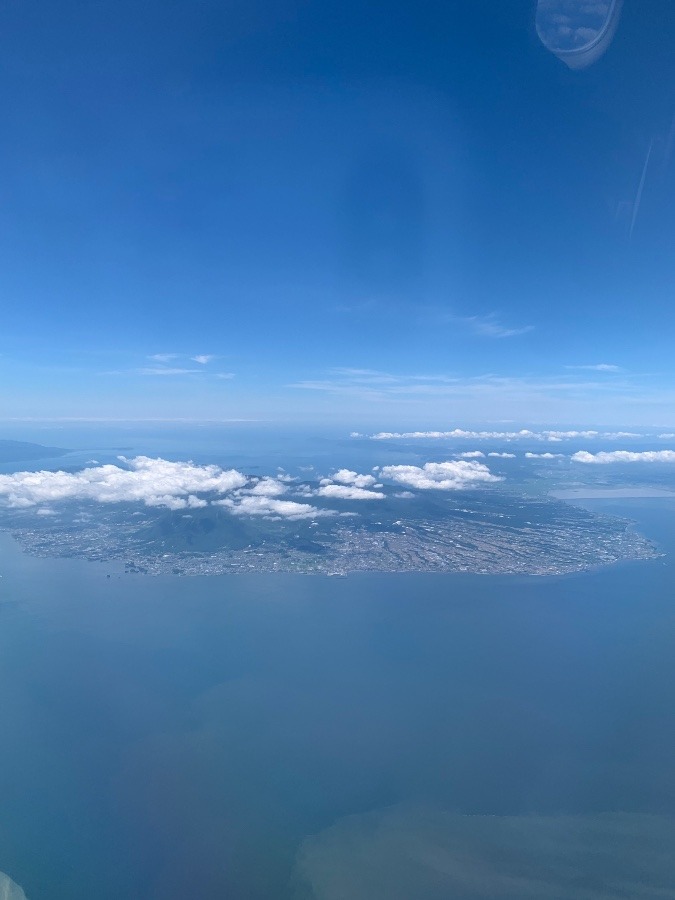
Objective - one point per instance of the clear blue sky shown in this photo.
(393, 214)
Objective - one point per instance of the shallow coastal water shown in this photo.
(168, 737)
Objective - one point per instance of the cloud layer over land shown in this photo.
(185, 485)
(614, 456)
(154, 482)
(443, 476)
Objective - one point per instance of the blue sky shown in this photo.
(363, 213)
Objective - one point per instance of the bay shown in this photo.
(186, 737)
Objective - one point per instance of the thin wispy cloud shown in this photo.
(163, 357)
(203, 359)
(489, 326)
(162, 370)
(598, 367)
(550, 396)
(525, 434)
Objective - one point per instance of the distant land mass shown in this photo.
(18, 451)
(483, 532)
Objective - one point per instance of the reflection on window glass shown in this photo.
(577, 31)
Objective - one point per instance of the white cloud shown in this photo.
(346, 476)
(567, 396)
(583, 456)
(162, 370)
(268, 487)
(544, 455)
(404, 495)
(154, 482)
(227, 375)
(348, 492)
(202, 358)
(619, 435)
(472, 454)
(502, 455)
(668, 436)
(458, 433)
(270, 508)
(489, 326)
(443, 476)
(163, 357)
(598, 367)
(524, 434)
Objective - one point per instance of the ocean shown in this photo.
(250, 737)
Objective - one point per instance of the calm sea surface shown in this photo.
(168, 737)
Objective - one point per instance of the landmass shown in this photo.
(485, 532)
(20, 451)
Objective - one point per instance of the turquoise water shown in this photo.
(168, 737)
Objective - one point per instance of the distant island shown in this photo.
(21, 451)
(480, 532)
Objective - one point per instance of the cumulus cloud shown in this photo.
(154, 482)
(346, 476)
(161, 483)
(186, 486)
(603, 458)
(471, 454)
(442, 476)
(268, 487)
(271, 508)
(348, 492)
(544, 455)
(502, 455)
